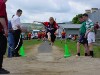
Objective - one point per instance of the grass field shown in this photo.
(73, 50)
(29, 43)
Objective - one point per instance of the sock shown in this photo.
(86, 54)
(78, 54)
(92, 53)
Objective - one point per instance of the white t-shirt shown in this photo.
(15, 22)
(89, 25)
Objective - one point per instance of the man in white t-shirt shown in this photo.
(90, 34)
(16, 25)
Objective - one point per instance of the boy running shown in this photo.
(51, 29)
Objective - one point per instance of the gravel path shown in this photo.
(49, 61)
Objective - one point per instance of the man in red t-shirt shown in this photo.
(43, 35)
(96, 27)
(39, 35)
(29, 36)
(3, 34)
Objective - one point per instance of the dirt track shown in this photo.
(52, 63)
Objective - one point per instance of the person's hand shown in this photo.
(56, 33)
(6, 32)
(86, 35)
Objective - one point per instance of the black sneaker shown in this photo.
(86, 54)
(3, 71)
(78, 54)
(17, 56)
(91, 53)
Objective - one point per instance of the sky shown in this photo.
(41, 10)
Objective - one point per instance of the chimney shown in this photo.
(94, 9)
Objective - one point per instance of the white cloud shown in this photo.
(41, 10)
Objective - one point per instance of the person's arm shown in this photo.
(38, 22)
(2, 18)
(56, 27)
(3, 23)
(18, 23)
(91, 29)
(44, 23)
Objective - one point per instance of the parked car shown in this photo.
(35, 34)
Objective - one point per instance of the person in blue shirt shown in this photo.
(10, 40)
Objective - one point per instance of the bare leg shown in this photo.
(91, 49)
(86, 48)
(78, 49)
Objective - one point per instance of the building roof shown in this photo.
(70, 26)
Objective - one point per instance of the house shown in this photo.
(72, 29)
(94, 14)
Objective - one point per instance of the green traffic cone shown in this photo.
(22, 52)
(67, 53)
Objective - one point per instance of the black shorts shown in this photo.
(53, 37)
(3, 44)
(82, 40)
(63, 37)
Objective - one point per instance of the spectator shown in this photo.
(96, 27)
(3, 34)
(90, 34)
(63, 36)
(82, 40)
(29, 36)
(10, 40)
(16, 25)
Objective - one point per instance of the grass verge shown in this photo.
(73, 49)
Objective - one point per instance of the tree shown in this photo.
(75, 20)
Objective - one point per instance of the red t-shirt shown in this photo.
(63, 34)
(55, 24)
(3, 14)
(39, 34)
(96, 26)
(43, 34)
(29, 35)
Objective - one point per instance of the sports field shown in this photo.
(72, 45)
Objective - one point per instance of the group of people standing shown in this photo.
(14, 35)
(41, 35)
(87, 36)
